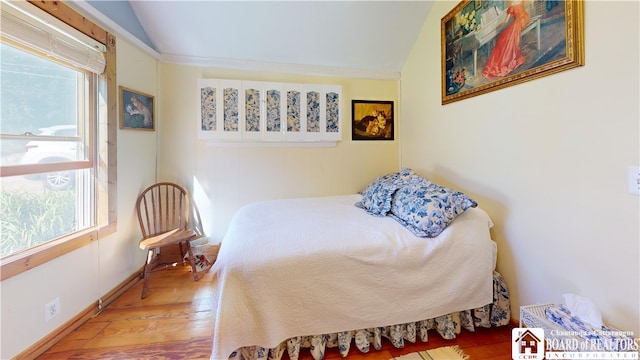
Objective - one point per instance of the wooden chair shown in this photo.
(163, 214)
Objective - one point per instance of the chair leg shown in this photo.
(192, 261)
(147, 273)
(181, 252)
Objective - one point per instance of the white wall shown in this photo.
(547, 159)
(224, 178)
(82, 276)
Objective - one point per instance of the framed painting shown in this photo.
(372, 120)
(493, 44)
(136, 110)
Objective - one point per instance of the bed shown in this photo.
(321, 272)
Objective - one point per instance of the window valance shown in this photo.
(50, 36)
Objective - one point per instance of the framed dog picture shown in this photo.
(372, 120)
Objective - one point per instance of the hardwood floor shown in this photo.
(175, 321)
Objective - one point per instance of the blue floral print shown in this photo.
(333, 112)
(313, 111)
(208, 109)
(230, 109)
(252, 110)
(293, 111)
(376, 197)
(273, 110)
(423, 207)
(426, 209)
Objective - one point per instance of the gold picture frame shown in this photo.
(137, 110)
(490, 45)
(372, 120)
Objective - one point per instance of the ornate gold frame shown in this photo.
(465, 40)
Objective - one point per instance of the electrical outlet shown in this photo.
(51, 309)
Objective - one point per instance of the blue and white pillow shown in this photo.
(376, 197)
(409, 177)
(426, 209)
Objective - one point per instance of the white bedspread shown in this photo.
(321, 265)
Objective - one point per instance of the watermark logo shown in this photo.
(530, 344)
(527, 344)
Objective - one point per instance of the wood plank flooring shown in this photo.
(175, 321)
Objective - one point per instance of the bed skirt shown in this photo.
(497, 313)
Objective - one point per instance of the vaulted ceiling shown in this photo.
(349, 36)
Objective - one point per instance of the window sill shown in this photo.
(16, 264)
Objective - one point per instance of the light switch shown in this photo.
(633, 180)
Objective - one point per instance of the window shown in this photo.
(55, 191)
(42, 114)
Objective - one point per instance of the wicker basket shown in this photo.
(533, 316)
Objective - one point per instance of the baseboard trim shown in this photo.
(75, 322)
(112, 295)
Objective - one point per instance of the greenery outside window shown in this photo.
(57, 187)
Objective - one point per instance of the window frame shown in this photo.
(104, 157)
(88, 132)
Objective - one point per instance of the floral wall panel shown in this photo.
(230, 109)
(333, 112)
(267, 112)
(208, 108)
(252, 110)
(293, 111)
(313, 111)
(273, 110)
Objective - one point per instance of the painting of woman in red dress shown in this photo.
(506, 55)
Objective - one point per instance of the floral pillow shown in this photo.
(376, 197)
(426, 209)
(409, 177)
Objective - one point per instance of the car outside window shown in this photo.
(58, 143)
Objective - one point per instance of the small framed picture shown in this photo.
(136, 110)
(372, 120)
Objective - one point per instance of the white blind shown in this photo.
(50, 36)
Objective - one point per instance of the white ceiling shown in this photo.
(310, 36)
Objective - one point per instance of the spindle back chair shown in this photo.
(163, 214)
